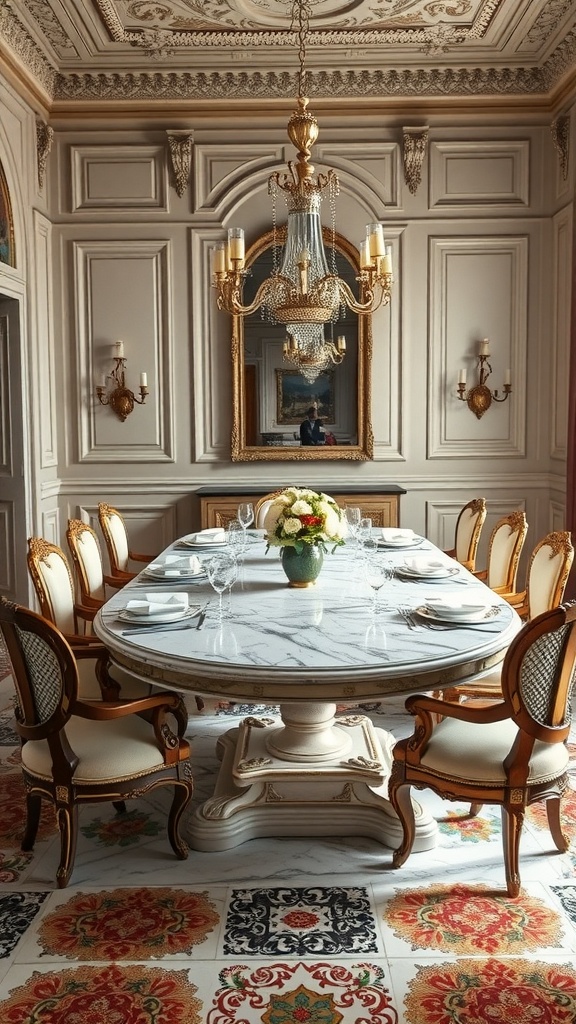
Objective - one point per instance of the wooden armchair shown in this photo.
(467, 534)
(116, 539)
(87, 561)
(76, 751)
(504, 550)
(511, 753)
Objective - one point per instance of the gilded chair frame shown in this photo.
(467, 533)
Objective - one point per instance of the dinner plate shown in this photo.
(192, 542)
(170, 616)
(424, 577)
(403, 545)
(173, 574)
(466, 619)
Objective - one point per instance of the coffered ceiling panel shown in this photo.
(130, 49)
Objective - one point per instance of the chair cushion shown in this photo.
(475, 753)
(116, 750)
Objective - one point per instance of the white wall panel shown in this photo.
(220, 171)
(118, 177)
(42, 340)
(559, 344)
(479, 173)
(478, 289)
(123, 291)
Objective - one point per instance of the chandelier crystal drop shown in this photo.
(303, 292)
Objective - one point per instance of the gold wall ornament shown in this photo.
(414, 148)
(479, 397)
(113, 391)
(180, 149)
(560, 129)
(44, 139)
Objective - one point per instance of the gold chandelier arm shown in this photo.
(230, 292)
(372, 301)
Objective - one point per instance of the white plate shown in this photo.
(189, 542)
(425, 577)
(179, 574)
(466, 619)
(412, 542)
(148, 620)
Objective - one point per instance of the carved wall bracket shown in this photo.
(415, 145)
(560, 129)
(180, 146)
(44, 139)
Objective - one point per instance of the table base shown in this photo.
(260, 794)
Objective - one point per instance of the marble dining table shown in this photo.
(309, 767)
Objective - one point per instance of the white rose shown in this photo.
(331, 523)
(291, 526)
(301, 508)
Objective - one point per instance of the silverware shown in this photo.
(409, 619)
(202, 616)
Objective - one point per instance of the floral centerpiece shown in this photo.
(303, 523)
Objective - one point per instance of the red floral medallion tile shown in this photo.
(128, 924)
(468, 828)
(536, 814)
(464, 919)
(13, 812)
(112, 994)
(303, 993)
(492, 992)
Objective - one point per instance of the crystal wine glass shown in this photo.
(245, 515)
(364, 531)
(353, 517)
(375, 573)
(222, 572)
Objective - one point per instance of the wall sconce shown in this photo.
(120, 399)
(479, 397)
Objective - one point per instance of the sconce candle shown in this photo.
(462, 377)
(479, 397)
(236, 249)
(143, 380)
(484, 349)
(507, 378)
(120, 350)
(120, 399)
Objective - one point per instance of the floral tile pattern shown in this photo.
(123, 829)
(17, 911)
(315, 921)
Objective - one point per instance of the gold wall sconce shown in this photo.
(479, 397)
(119, 397)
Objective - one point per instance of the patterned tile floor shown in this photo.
(280, 931)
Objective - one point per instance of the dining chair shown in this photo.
(261, 508)
(546, 579)
(504, 550)
(50, 573)
(87, 561)
(467, 534)
(509, 754)
(76, 751)
(117, 545)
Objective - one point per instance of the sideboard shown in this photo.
(381, 502)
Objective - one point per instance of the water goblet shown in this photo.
(353, 517)
(222, 572)
(235, 537)
(375, 575)
(245, 516)
(364, 531)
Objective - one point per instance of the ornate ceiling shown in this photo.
(118, 50)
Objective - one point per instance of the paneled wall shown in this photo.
(482, 249)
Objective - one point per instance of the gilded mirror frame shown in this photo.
(363, 450)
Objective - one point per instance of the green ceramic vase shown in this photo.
(302, 567)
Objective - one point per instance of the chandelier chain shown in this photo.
(301, 11)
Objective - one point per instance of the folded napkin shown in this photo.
(213, 536)
(449, 605)
(158, 604)
(178, 565)
(393, 536)
(425, 567)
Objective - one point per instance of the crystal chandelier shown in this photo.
(303, 293)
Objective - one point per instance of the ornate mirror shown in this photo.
(272, 393)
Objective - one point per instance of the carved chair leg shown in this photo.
(512, 821)
(68, 825)
(401, 801)
(561, 841)
(33, 809)
(182, 794)
(475, 809)
(119, 806)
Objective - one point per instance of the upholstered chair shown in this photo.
(87, 561)
(77, 751)
(504, 550)
(261, 508)
(467, 534)
(116, 539)
(511, 753)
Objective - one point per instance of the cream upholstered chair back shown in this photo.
(548, 571)
(87, 560)
(505, 547)
(262, 506)
(468, 529)
(52, 579)
(115, 536)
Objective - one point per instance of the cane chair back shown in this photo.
(76, 751)
(511, 753)
(467, 534)
(504, 550)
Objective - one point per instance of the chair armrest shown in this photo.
(421, 704)
(114, 582)
(136, 557)
(517, 598)
(77, 640)
(451, 552)
(87, 612)
(102, 711)
(482, 574)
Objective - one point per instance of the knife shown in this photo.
(200, 622)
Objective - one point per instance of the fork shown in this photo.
(408, 617)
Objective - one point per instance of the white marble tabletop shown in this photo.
(291, 645)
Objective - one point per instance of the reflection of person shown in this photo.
(311, 429)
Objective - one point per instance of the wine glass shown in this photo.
(375, 574)
(235, 537)
(364, 531)
(353, 517)
(222, 572)
(245, 516)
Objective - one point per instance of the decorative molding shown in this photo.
(560, 129)
(16, 37)
(100, 177)
(52, 29)
(180, 147)
(480, 173)
(414, 148)
(44, 139)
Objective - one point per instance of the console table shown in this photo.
(381, 502)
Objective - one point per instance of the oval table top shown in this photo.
(286, 645)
